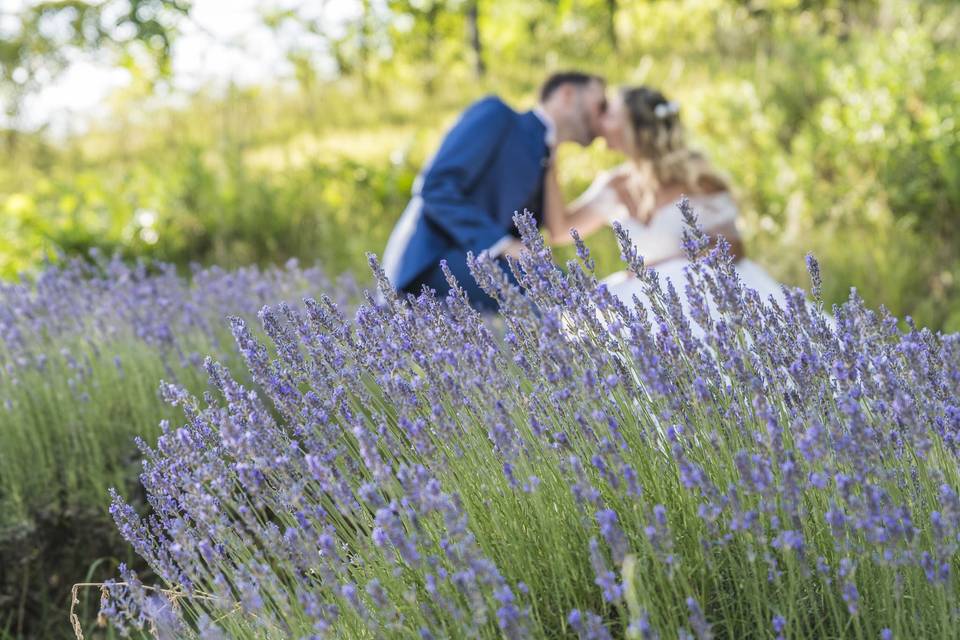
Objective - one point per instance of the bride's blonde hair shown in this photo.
(657, 145)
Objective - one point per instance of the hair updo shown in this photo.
(656, 142)
(654, 123)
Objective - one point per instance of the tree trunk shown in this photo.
(612, 25)
(363, 47)
(473, 29)
(432, 14)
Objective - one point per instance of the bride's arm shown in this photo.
(586, 214)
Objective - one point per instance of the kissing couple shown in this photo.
(495, 161)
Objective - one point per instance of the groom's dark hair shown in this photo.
(557, 80)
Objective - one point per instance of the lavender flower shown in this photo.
(418, 469)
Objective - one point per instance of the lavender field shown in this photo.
(572, 468)
(217, 420)
(82, 350)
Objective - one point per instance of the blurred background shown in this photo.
(238, 132)
(243, 131)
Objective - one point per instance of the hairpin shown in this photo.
(666, 109)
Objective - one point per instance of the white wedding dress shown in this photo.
(660, 243)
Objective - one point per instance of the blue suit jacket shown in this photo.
(489, 166)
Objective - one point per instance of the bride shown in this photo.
(642, 195)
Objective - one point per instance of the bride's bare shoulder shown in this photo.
(712, 185)
(715, 202)
(601, 191)
(620, 172)
(605, 183)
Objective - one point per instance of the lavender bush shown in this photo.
(576, 467)
(81, 350)
(92, 337)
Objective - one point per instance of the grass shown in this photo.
(73, 400)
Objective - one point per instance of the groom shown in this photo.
(491, 164)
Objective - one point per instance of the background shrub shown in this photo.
(837, 122)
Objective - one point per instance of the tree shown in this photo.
(48, 34)
(473, 33)
(612, 25)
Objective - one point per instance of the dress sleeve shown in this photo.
(603, 199)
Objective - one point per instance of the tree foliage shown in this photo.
(45, 36)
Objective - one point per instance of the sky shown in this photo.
(223, 41)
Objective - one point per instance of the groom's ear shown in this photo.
(561, 95)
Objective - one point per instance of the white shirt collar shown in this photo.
(550, 137)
